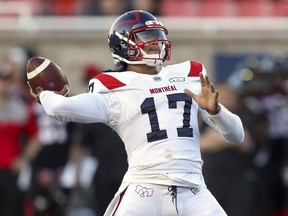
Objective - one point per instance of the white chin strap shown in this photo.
(149, 62)
(153, 61)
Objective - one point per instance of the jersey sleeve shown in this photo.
(99, 105)
(190, 70)
(195, 68)
(83, 108)
(104, 83)
(227, 124)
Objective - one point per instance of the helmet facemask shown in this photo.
(144, 45)
(148, 45)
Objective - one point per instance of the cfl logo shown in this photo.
(177, 79)
(143, 191)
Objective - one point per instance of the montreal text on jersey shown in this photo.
(163, 89)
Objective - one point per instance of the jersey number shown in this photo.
(148, 107)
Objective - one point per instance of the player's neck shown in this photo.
(144, 69)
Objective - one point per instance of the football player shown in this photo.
(154, 109)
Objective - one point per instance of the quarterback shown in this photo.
(154, 109)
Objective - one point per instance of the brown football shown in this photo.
(44, 74)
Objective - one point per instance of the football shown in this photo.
(44, 74)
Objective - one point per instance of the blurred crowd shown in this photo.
(251, 179)
(47, 167)
(157, 7)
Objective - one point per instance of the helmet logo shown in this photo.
(153, 23)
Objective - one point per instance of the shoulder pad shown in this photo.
(110, 82)
(195, 69)
(105, 82)
(187, 68)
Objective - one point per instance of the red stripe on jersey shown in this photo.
(195, 69)
(109, 82)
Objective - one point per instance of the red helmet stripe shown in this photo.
(137, 18)
(195, 69)
(109, 82)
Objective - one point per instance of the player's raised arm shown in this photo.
(208, 99)
(228, 125)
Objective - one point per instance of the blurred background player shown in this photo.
(48, 198)
(99, 141)
(264, 99)
(227, 168)
(19, 145)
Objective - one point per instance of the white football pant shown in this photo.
(159, 200)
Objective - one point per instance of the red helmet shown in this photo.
(135, 33)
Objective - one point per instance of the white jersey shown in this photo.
(156, 120)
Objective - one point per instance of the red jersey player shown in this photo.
(17, 121)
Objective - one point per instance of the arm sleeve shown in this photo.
(228, 125)
(83, 108)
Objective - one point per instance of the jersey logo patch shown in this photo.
(195, 69)
(144, 191)
(195, 190)
(157, 79)
(109, 82)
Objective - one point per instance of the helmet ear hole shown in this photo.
(119, 48)
(133, 53)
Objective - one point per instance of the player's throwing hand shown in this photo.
(64, 92)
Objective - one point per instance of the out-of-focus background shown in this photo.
(73, 33)
(243, 45)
